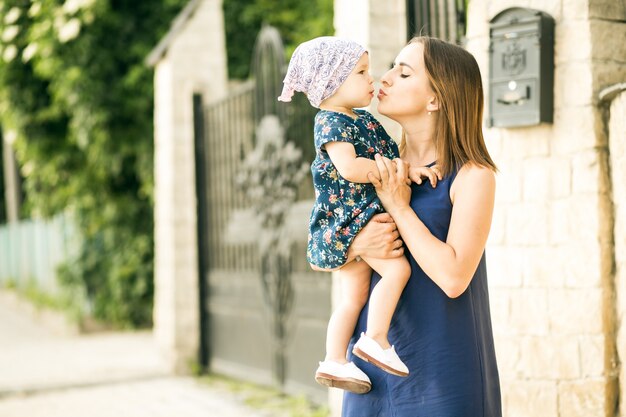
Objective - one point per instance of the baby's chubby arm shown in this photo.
(355, 169)
(350, 167)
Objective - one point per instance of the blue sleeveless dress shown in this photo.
(446, 343)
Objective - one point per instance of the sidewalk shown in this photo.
(46, 374)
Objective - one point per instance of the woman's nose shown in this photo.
(386, 79)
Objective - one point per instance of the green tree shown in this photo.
(74, 86)
(297, 21)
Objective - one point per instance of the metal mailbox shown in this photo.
(521, 68)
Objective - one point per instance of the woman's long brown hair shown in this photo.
(455, 78)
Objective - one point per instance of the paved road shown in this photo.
(47, 374)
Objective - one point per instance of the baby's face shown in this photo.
(358, 89)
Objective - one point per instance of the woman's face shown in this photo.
(406, 90)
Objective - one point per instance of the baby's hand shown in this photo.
(416, 174)
(407, 169)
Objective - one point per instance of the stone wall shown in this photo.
(550, 252)
(194, 62)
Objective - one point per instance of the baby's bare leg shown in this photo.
(354, 281)
(385, 295)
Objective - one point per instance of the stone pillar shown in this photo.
(381, 28)
(12, 190)
(194, 62)
(617, 152)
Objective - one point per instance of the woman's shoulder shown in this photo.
(472, 172)
(472, 175)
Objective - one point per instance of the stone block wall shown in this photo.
(551, 249)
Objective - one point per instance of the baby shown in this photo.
(334, 75)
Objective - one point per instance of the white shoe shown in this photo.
(345, 376)
(386, 359)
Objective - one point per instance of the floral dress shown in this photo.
(342, 207)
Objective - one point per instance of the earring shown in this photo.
(429, 113)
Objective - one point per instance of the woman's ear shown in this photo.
(433, 104)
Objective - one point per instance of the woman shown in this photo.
(442, 322)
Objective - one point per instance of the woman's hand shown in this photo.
(391, 183)
(378, 239)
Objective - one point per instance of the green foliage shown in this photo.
(3, 214)
(45, 301)
(74, 88)
(297, 21)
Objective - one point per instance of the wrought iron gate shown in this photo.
(238, 337)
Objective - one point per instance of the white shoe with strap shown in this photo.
(386, 359)
(345, 376)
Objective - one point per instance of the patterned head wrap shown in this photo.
(318, 67)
